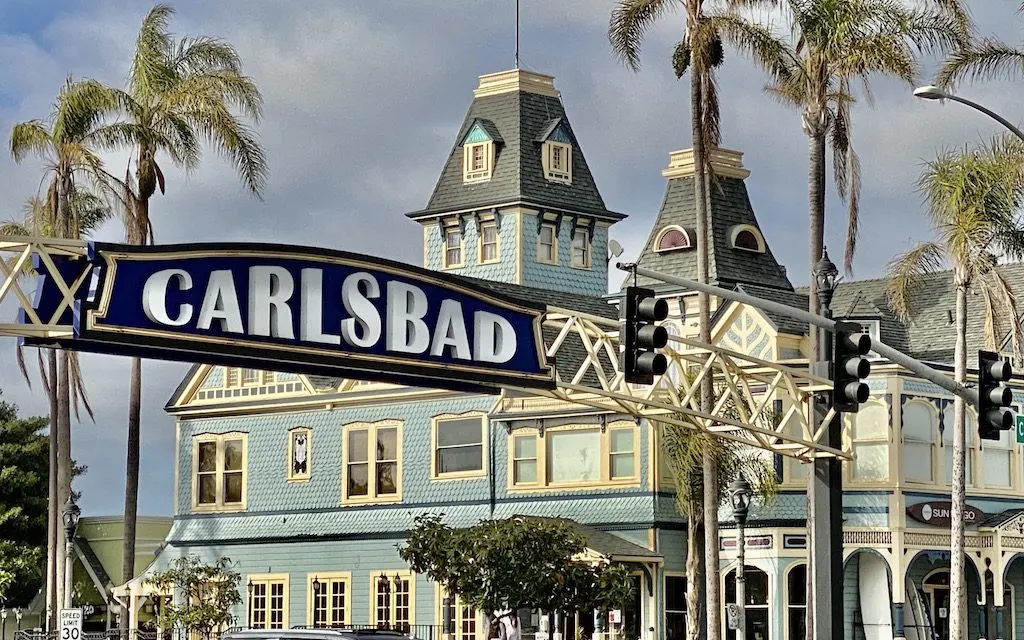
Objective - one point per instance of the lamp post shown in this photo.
(69, 515)
(17, 616)
(384, 588)
(3, 616)
(826, 490)
(739, 496)
(931, 92)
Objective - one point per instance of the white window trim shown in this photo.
(458, 475)
(543, 446)
(972, 454)
(269, 579)
(934, 446)
(664, 590)
(405, 574)
(588, 249)
(761, 247)
(481, 175)
(785, 597)
(290, 471)
(462, 248)
(219, 505)
(326, 579)
(484, 226)
(554, 243)
(557, 174)
(371, 496)
(887, 439)
(664, 232)
(457, 618)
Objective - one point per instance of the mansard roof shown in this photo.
(730, 212)
(517, 108)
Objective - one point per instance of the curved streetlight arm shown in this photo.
(992, 114)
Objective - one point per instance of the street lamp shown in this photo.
(69, 516)
(3, 615)
(384, 588)
(825, 276)
(17, 616)
(739, 496)
(931, 92)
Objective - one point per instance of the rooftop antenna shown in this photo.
(517, 34)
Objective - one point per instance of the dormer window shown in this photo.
(673, 238)
(556, 151)
(478, 151)
(747, 237)
(453, 248)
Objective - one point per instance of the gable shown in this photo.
(556, 130)
(481, 131)
(746, 330)
(209, 384)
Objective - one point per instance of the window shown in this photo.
(477, 160)
(947, 444)
(558, 161)
(394, 599)
(268, 601)
(871, 443)
(675, 607)
(756, 606)
(747, 238)
(266, 384)
(489, 242)
(452, 248)
(996, 460)
(547, 244)
(372, 454)
(796, 602)
(219, 464)
(581, 248)
(464, 617)
(918, 429)
(300, 447)
(672, 238)
(576, 455)
(250, 376)
(330, 604)
(458, 446)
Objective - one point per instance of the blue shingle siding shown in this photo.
(563, 277)
(502, 271)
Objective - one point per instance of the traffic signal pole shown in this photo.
(934, 376)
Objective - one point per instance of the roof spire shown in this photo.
(517, 34)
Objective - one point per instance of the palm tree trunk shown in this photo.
(63, 464)
(957, 595)
(710, 470)
(693, 573)
(53, 504)
(131, 485)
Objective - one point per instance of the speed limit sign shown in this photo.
(70, 624)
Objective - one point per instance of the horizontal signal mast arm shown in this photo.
(897, 357)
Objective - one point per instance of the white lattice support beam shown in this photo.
(16, 254)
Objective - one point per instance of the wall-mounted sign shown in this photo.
(302, 309)
(940, 514)
(1020, 429)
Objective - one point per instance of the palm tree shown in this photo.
(65, 144)
(983, 59)
(700, 51)
(685, 452)
(974, 198)
(179, 92)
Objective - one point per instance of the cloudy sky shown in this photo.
(363, 100)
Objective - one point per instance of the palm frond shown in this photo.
(904, 275)
(987, 59)
(629, 24)
(150, 74)
(1008, 312)
(29, 137)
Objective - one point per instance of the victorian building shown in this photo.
(308, 482)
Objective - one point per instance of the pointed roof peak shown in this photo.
(516, 80)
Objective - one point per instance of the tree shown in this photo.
(202, 596)
(502, 566)
(982, 59)
(700, 51)
(974, 198)
(179, 92)
(685, 449)
(65, 143)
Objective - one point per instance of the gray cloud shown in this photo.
(363, 100)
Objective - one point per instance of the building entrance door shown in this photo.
(940, 612)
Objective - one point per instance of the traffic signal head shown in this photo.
(850, 367)
(994, 397)
(641, 337)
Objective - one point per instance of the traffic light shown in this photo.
(850, 367)
(994, 397)
(641, 336)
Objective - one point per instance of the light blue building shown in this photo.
(308, 483)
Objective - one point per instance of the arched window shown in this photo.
(947, 444)
(672, 238)
(747, 238)
(757, 600)
(796, 602)
(871, 443)
(918, 429)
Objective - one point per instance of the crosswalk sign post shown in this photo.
(70, 624)
(1020, 429)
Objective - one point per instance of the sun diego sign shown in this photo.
(305, 310)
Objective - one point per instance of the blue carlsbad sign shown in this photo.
(308, 310)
